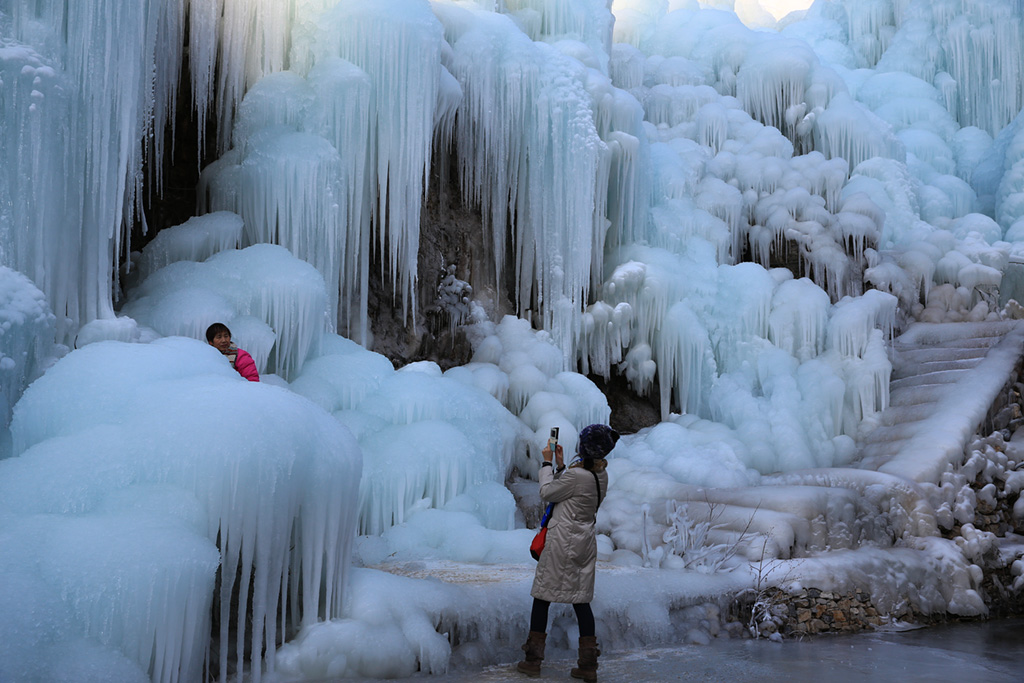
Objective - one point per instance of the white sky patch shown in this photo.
(780, 8)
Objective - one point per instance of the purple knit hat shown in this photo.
(597, 441)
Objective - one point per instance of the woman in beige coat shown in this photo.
(565, 572)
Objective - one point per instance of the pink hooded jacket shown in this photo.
(246, 366)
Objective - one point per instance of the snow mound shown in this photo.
(175, 458)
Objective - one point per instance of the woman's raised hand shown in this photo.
(546, 453)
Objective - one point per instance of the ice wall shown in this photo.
(524, 141)
(235, 43)
(82, 87)
(642, 192)
(529, 124)
(40, 226)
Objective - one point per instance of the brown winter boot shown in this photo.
(534, 649)
(587, 669)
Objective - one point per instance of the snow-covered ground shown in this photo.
(799, 233)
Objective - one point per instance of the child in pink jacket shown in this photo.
(219, 336)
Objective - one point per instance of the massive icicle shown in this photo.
(531, 155)
(398, 43)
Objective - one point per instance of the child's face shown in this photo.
(221, 340)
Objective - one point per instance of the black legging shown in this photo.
(584, 617)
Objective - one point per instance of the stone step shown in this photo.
(929, 379)
(908, 414)
(893, 432)
(913, 396)
(920, 354)
(911, 369)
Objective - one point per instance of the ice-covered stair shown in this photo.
(945, 378)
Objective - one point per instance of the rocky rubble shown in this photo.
(812, 611)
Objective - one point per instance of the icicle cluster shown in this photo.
(901, 112)
(1009, 199)
(529, 139)
(522, 368)
(88, 96)
(41, 230)
(398, 44)
(858, 330)
(355, 141)
(589, 22)
(34, 104)
(971, 49)
(846, 129)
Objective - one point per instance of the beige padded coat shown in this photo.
(565, 572)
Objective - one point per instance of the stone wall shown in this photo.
(812, 611)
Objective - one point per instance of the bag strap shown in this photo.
(598, 482)
(547, 515)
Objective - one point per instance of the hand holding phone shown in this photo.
(555, 449)
(552, 451)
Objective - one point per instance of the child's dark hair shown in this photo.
(214, 329)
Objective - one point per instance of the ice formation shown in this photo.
(26, 340)
(138, 509)
(194, 240)
(429, 438)
(732, 206)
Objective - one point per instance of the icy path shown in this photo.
(962, 652)
(945, 378)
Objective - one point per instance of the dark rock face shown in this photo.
(451, 243)
(172, 201)
(630, 412)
